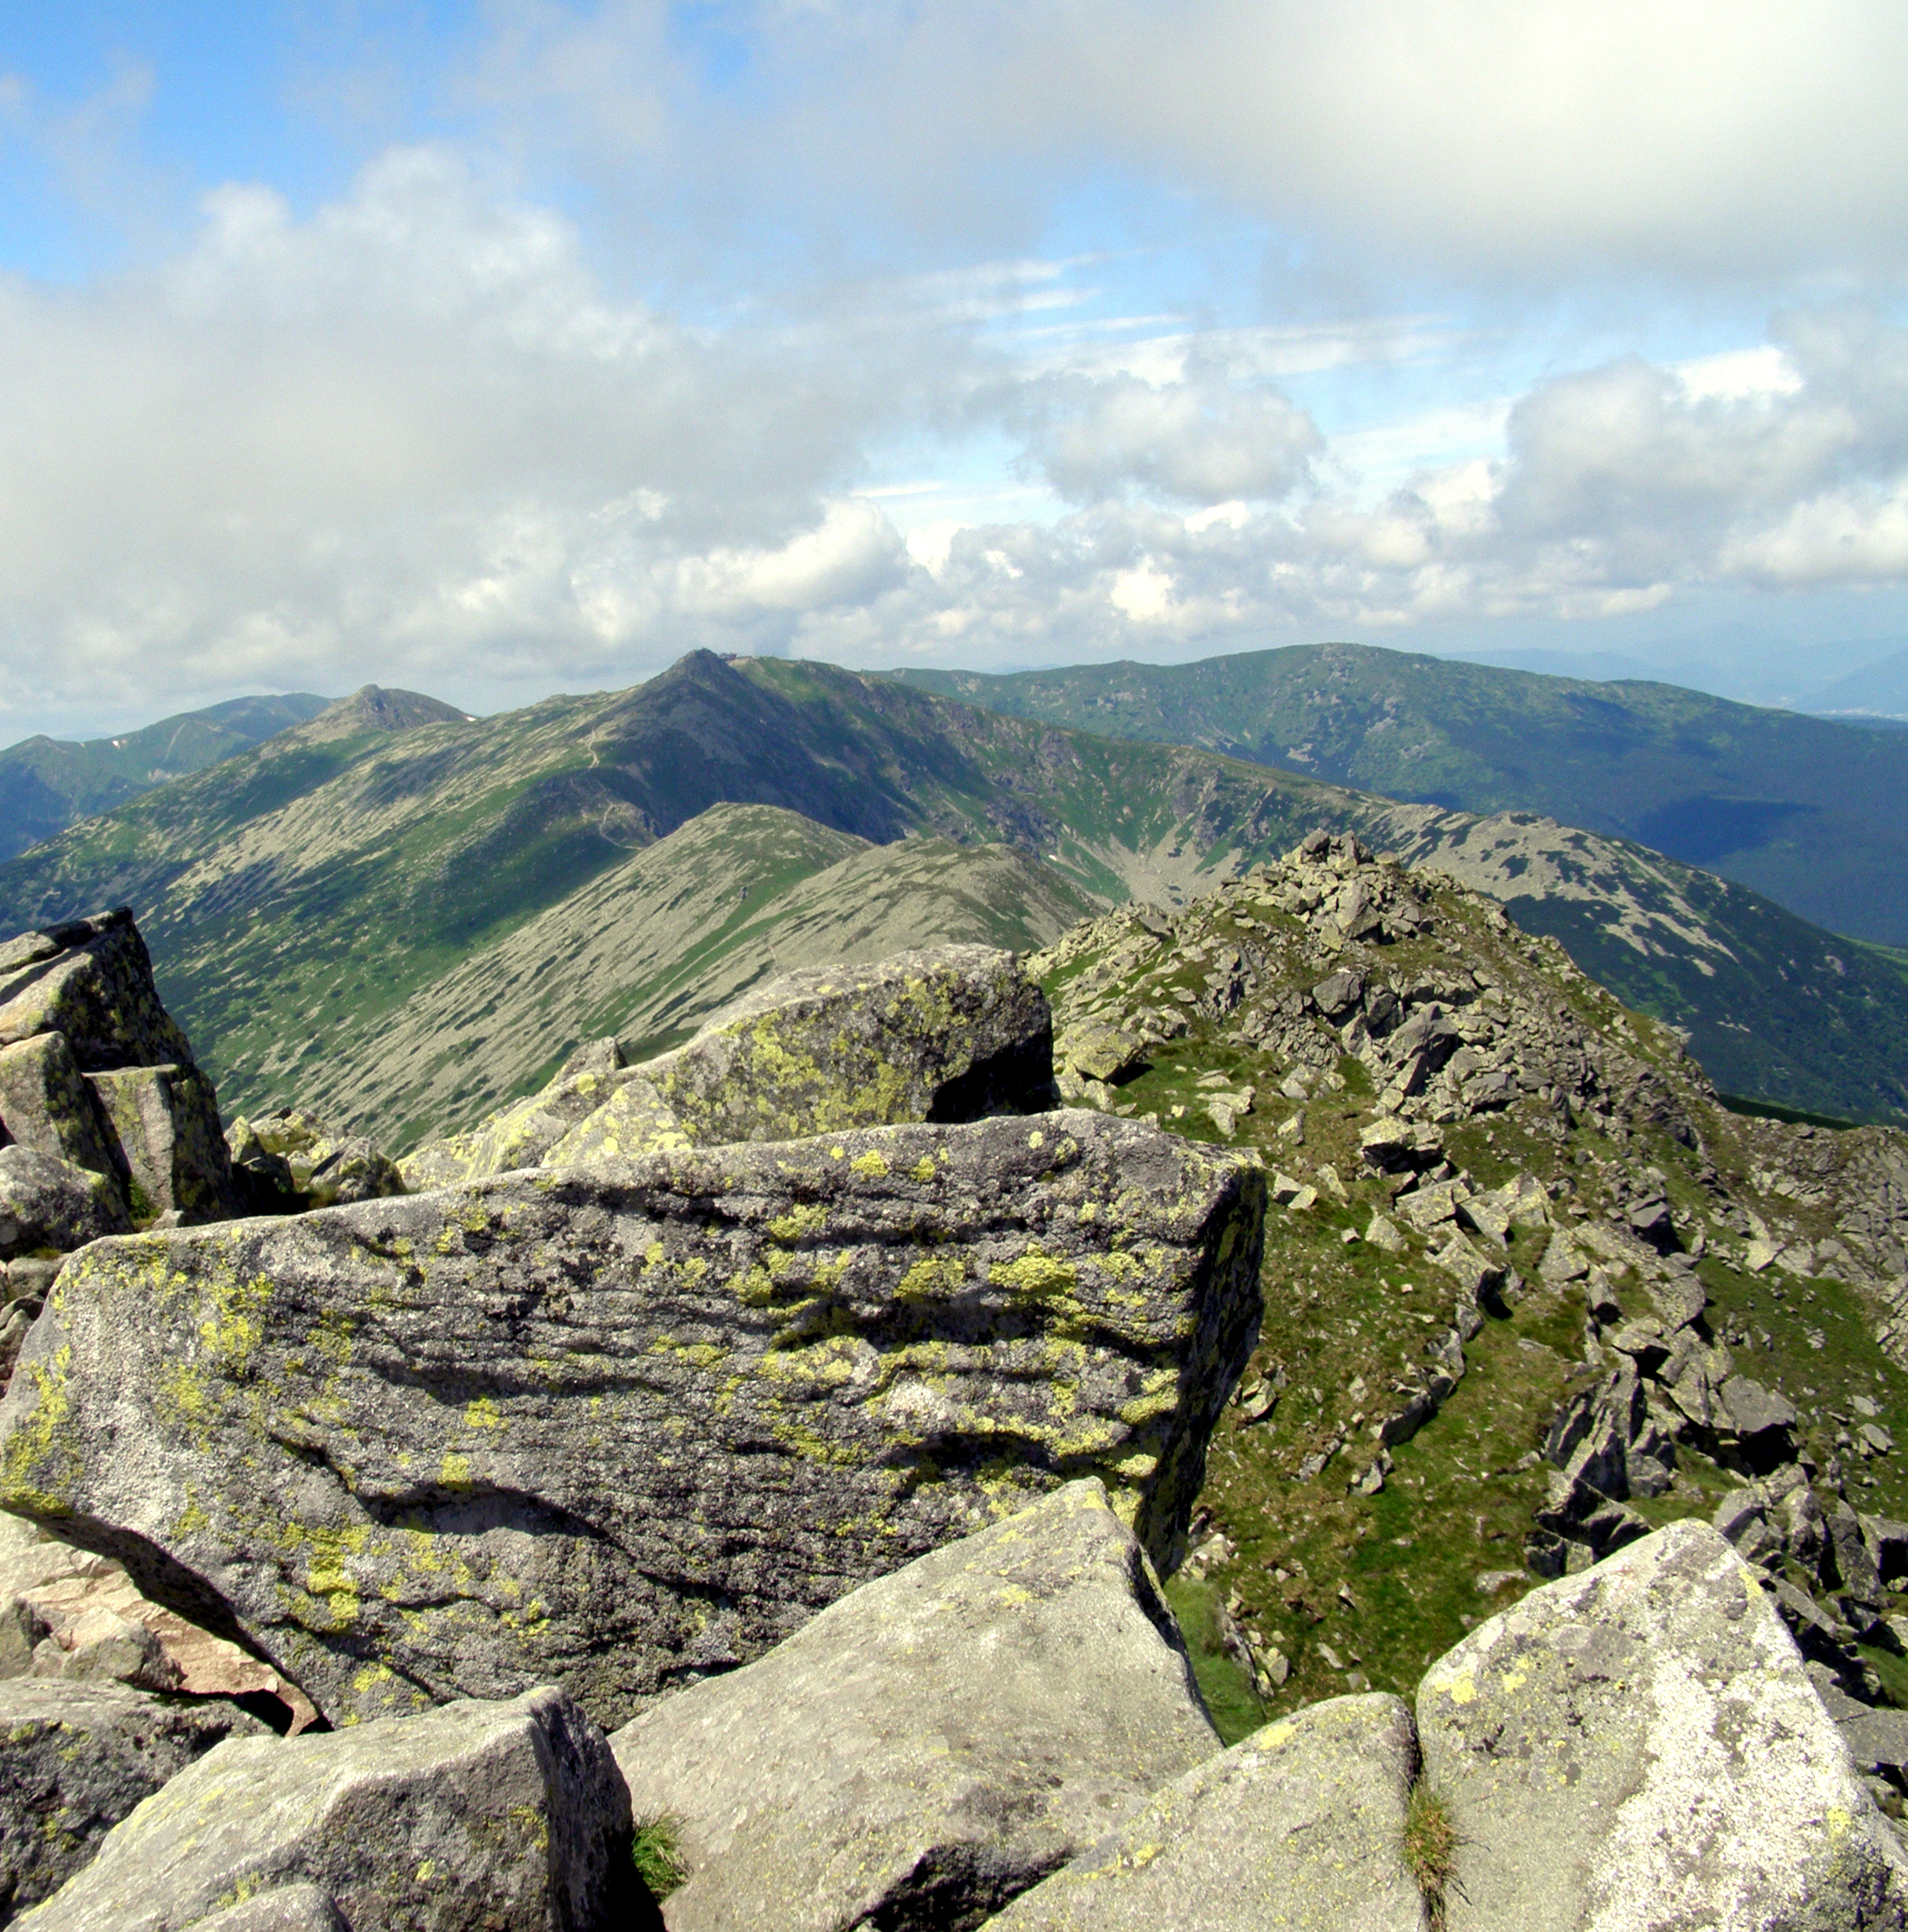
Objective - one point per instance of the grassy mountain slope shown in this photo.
(304, 896)
(1333, 1563)
(645, 950)
(1809, 812)
(46, 783)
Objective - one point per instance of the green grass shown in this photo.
(1430, 1847)
(656, 1848)
(1231, 1701)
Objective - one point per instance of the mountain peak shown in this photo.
(374, 708)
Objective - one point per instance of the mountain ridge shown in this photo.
(318, 884)
(47, 782)
(1809, 812)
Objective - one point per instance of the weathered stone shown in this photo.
(46, 1202)
(934, 1743)
(95, 987)
(1888, 1545)
(603, 1056)
(67, 1613)
(1638, 1747)
(45, 1103)
(1851, 1567)
(1578, 1517)
(285, 1908)
(1764, 1423)
(261, 1180)
(1098, 1051)
(75, 1759)
(952, 1033)
(1302, 1825)
(1651, 1223)
(1877, 1742)
(1563, 1262)
(1337, 995)
(1419, 1408)
(325, 1169)
(1478, 1276)
(1393, 1146)
(521, 1134)
(467, 1817)
(617, 1429)
(634, 1119)
(1428, 1208)
(166, 1145)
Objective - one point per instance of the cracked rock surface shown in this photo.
(615, 1430)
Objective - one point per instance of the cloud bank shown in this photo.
(423, 431)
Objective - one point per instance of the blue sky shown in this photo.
(496, 350)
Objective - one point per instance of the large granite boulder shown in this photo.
(933, 1744)
(619, 1429)
(166, 1146)
(95, 1072)
(1302, 1825)
(467, 1819)
(48, 1203)
(46, 1104)
(90, 979)
(1639, 1746)
(951, 1034)
(75, 1759)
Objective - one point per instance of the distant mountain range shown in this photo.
(1809, 812)
(46, 784)
(404, 915)
(1877, 690)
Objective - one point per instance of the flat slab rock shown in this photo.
(934, 1743)
(76, 1759)
(1638, 1747)
(1300, 1826)
(472, 1817)
(616, 1430)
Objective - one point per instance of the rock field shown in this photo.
(884, 1462)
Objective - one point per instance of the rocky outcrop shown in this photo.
(47, 1203)
(1462, 1042)
(1641, 1745)
(952, 1034)
(76, 1759)
(1636, 1746)
(288, 1163)
(1301, 1826)
(471, 1817)
(94, 1073)
(932, 1745)
(620, 1430)
(89, 980)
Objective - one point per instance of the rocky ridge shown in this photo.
(373, 1462)
(1497, 1192)
(399, 929)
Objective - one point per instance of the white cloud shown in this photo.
(414, 435)
(411, 438)
(1543, 142)
(1202, 440)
